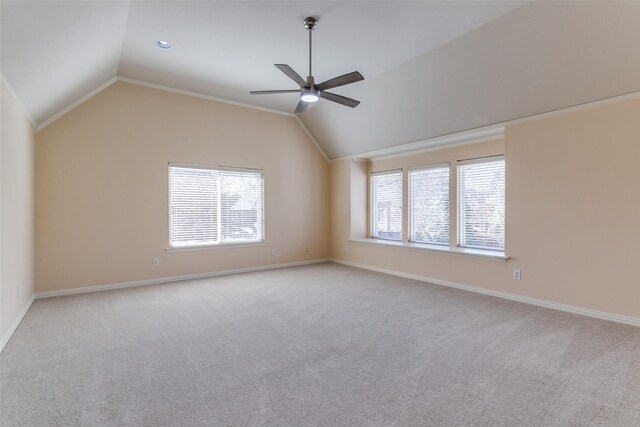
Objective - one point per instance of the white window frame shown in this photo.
(411, 202)
(220, 242)
(372, 214)
(460, 208)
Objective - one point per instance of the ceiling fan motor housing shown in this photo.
(311, 82)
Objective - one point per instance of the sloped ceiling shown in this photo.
(431, 68)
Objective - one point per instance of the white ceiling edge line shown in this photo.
(77, 102)
(226, 101)
(470, 140)
(575, 108)
(482, 134)
(461, 138)
(13, 93)
(311, 137)
(202, 96)
(112, 80)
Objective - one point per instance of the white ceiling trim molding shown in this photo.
(461, 138)
(311, 137)
(202, 96)
(111, 81)
(576, 108)
(478, 135)
(226, 101)
(472, 136)
(12, 91)
(74, 104)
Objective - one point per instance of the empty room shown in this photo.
(319, 213)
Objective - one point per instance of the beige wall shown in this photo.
(348, 203)
(340, 190)
(573, 205)
(359, 198)
(101, 186)
(16, 211)
(101, 198)
(572, 210)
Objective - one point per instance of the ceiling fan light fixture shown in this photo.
(310, 91)
(309, 96)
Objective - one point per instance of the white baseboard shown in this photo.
(97, 288)
(505, 295)
(7, 336)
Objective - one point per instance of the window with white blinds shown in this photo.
(386, 205)
(481, 184)
(429, 205)
(210, 206)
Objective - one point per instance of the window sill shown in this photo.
(214, 247)
(422, 247)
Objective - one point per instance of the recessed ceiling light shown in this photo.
(163, 44)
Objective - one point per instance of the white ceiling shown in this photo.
(431, 68)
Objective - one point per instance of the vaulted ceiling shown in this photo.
(430, 68)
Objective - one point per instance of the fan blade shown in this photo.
(349, 102)
(292, 74)
(345, 79)
(301, 107)
(268, 92)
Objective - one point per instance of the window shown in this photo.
(429, 205)
(481, 203)
(211, 206)
(386, 205)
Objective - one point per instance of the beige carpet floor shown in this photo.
(321, 345)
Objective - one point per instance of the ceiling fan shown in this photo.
(309, 90)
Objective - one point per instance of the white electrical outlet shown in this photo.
(156, 262)
(273, 252)
(516, 274)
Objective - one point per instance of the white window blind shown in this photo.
(241, 206)
(481, 187)
(429, 205)
(386, 205)
(209, 206)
